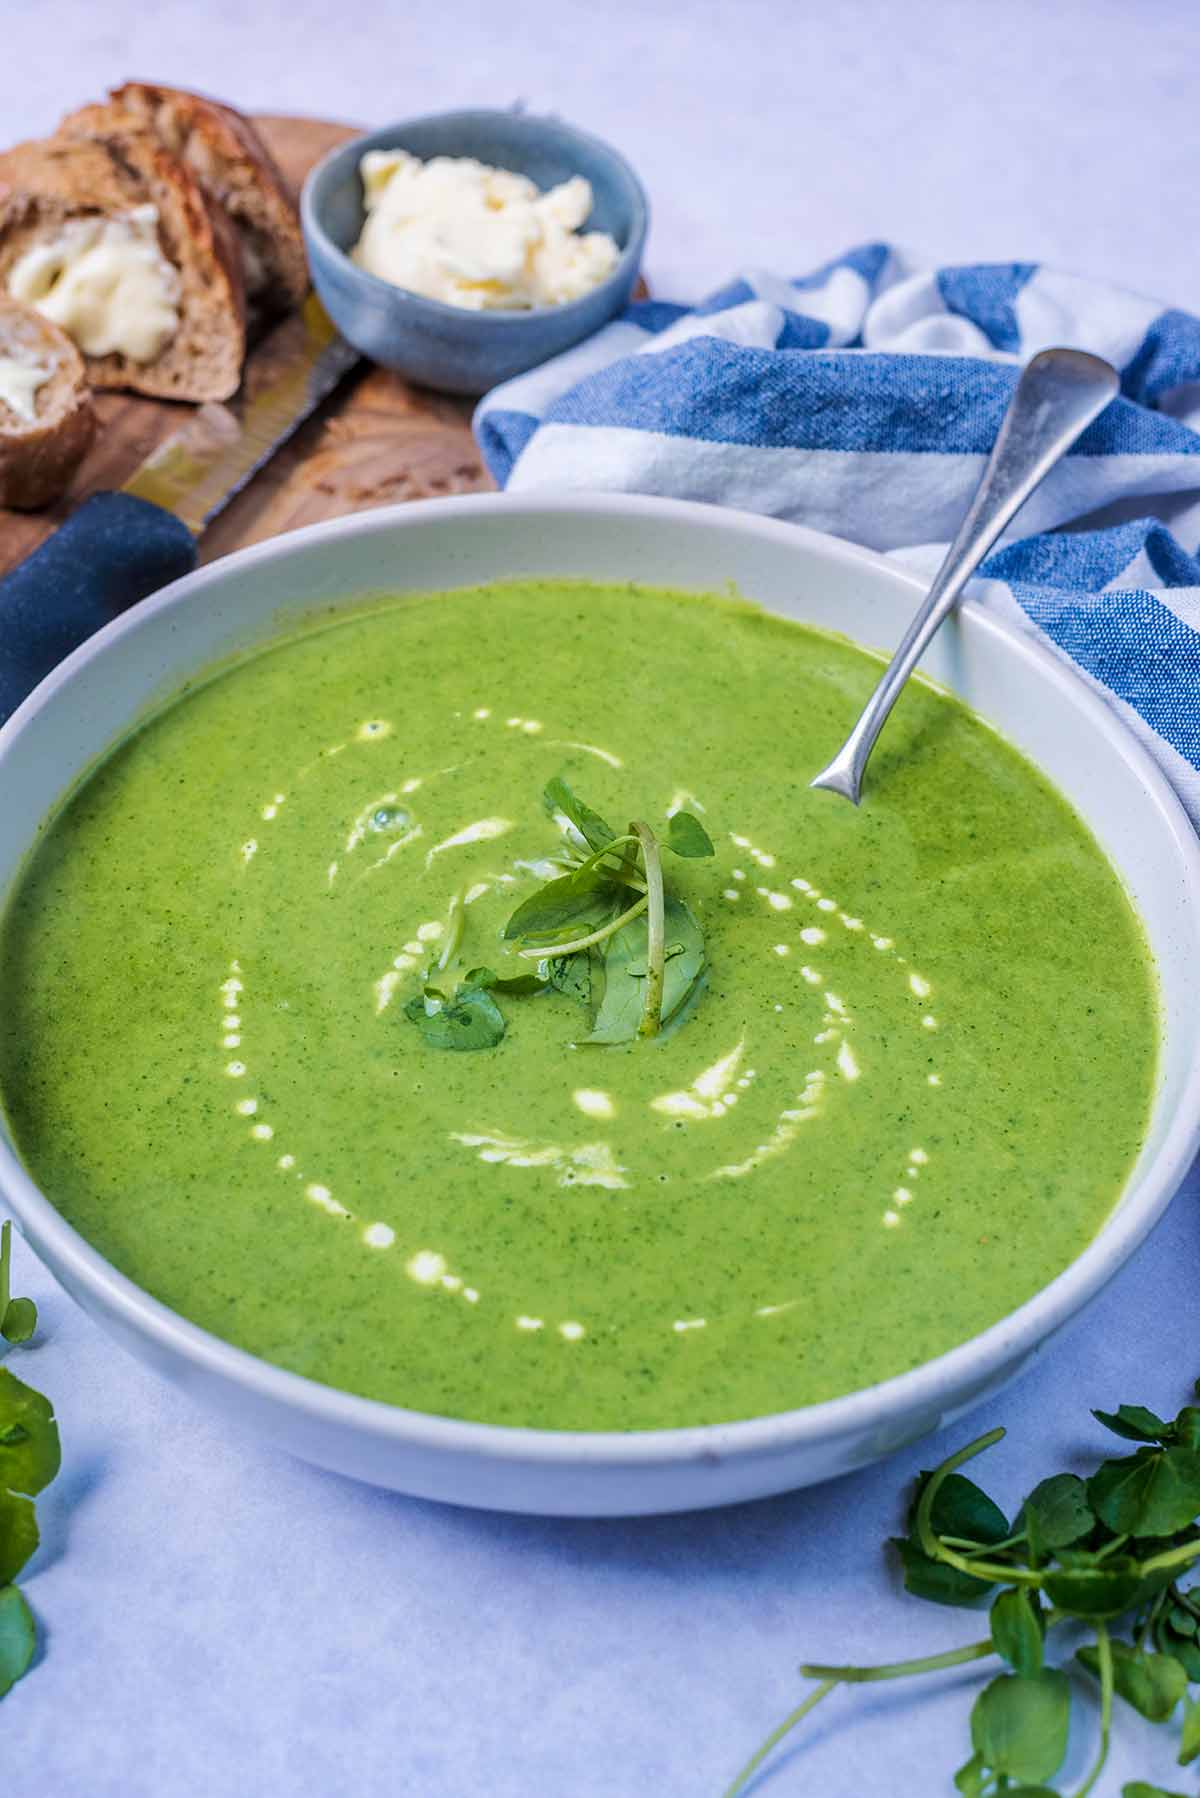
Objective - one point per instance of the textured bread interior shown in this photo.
(235, 168)
(44, 184)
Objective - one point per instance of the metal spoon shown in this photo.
(1058, 394)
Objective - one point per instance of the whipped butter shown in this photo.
(20, 381)
(106, 281)
(478, 237)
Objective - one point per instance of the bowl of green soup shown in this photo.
(358, 1074)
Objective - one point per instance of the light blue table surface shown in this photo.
(223, 1620)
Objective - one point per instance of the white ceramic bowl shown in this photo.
(1036, 702)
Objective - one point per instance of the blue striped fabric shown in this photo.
(813, 398)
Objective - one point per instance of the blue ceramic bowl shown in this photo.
(445, 346)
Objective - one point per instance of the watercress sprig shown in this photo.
(604, 931)
(29, 1460)
(1108, 1552)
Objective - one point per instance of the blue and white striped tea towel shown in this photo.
(863, 399)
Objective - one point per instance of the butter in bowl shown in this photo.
(465, 248)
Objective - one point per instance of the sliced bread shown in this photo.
(235, 168)
(120, 195)
(46, 414)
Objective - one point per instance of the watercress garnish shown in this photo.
(18, 1317)
(29, 1460)
(1107, 1552)
(604, 931)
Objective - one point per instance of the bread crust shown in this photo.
(109, 170)
(38, 460)
(232, 164)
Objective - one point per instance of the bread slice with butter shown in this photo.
(109, 235)
(233, 165)
(46, 414)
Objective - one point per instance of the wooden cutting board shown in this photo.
(376, 440)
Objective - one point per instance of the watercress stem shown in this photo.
(555, 951)
(776, 1736)
(932, 1543)
(656, 931)
(930, 1663)
(1173, 1557)
(626, 871)
(1104, 1656)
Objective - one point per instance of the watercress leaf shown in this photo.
(1186, 1431)
(558, 797)
(18, 1534)
(961, 1509)
(1184, 1649)
(19, 1321)
(565, 908)
(1141, 1788)
(1105, 1589)
(936, 1581)
(1182, 1620)
(687, 836)
(31, 1461)
(1189, 1746)
(579, 976)
(1152, 1683)
(1059, 1510)
(1020, 1726)
(619, 985)
(684, 956)
(1152, 1493)
(1017, 1631)
(1134, 1422)
(488, 980)
(972, 1777)
(471, 1020)
(18, 1637)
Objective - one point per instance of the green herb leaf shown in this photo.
(1152, 1493)
(618, 977)
(1189, 1746)
(972, 1777)
(30, 1463)
(619, 985)
(687, 836)
(558, 797)
(471, 1020)
(1020, 1726)
(1018, 1632)
(936, 1581)
(1104, 1589)
(1186, 1428)
(18, 1534)
(487, 980)
(1152, 1683)
(18, 1637)
(1060, 1511)
(961, 1509)
(1135, 1423)
(1184, 1649)
(579, 976)
(572, 906)
(1140, 1788)
(19, 1321)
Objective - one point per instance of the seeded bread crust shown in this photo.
(38, 459)
(235, 168)
(45, 183)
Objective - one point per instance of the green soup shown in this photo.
(912, 1087)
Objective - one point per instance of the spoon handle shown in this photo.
(1059, 393)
